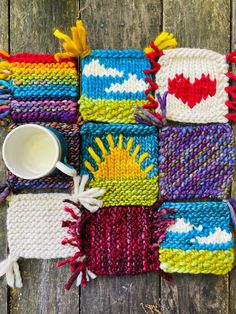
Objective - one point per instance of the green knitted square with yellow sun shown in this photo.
(123, 160)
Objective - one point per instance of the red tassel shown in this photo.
(231, 90)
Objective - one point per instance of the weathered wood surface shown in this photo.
(114, 24)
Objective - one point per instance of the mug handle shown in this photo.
(66, 168)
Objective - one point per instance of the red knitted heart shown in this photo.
(191, 93)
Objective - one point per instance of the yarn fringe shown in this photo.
(5, 89)
(5, 190)
(76, 230)
(232, 207)
(231, 90)
(87, 197)
(76, 46)
(163, 41)
(10, 268)
(147, 114)
(161, 224)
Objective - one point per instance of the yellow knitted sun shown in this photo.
(119, 163)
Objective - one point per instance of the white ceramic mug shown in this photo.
(32, 151)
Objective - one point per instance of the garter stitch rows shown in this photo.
(114, 241)
(196, 161)
(59, 180)
(113, 82)
(43, 89)
(123, 160)
(200, 240)
(34, 228)
(196, 82)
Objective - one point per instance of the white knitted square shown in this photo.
(34, 226)
(195, 80)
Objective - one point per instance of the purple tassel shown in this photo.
(232, 206)
(143, 115)
(4, 192)
(162, 102)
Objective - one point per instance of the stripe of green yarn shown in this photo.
(218, 262)
(108, 110)
(128, 192)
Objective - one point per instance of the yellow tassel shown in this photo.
(77, 45)
(4, 54)
(163, 41)
(5, 70)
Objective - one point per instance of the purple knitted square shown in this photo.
(196, 161)
(58, 180)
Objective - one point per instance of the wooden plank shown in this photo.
(4, 42)
(121, 25)
(31, 28)
(32, 24)
(232, 276)
(201, 24)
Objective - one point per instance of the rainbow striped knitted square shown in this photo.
(197, 84)
(42, 89)
(200, 240)
(122, 159)
(196, 161)
(57, 180)
(113, 82)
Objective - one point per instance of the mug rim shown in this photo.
(49, 133)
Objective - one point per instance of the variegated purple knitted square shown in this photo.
(196, 161)
(58, 180)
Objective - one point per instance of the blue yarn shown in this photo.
(210, 215)
(144, 135)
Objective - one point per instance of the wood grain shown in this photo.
(4, 42)
(32, 24)
(115, 25)
(121, 25)
(202, 24)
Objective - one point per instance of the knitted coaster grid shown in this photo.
(196, 161)
(123, 160)
(42, 89)
(196, 81)
(113, 241)
(34, 226)
(58, 180)
(200, 240)
(113, 83)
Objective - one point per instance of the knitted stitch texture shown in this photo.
(34, 226)
(113, 82)
(123, 160)
(196, 161)
(200, 240)
(43, 89)
(58, 179)
(196, 82)
(114, 241)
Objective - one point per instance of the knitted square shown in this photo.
(58, 180)
(34, 226)
(196, 161)
(34, 231)
(42, 89)
(196, 82)
(200, 240)
(113, 241)
(113, 82)
(122, 159)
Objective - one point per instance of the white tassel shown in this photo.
(89, 275)
(10, 268)
(87, 197)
